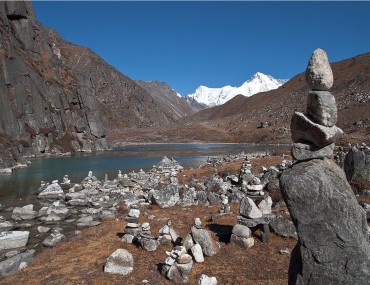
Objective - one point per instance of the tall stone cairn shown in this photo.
(333, 242)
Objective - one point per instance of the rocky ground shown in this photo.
(81, 259)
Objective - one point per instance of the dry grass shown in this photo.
(81, 260)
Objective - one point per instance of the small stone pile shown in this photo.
(146, 240)
(178, 265)
(196, 244)
(168, 234)
(225, 207)
(314, 132)
(131, 231)
(252, 216)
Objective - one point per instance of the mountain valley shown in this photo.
(57, 97)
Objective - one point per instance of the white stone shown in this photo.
(249, 209)
(206, 280)
(265, 206)
(256, 181)
(53, 191)
(255, 187)
(197, 222)
(13, 239)
(42, 229)
(53, 239)
(169, 261)
(119, 262)
(165, 230)
(134, 213)
(24, 213)
(6, 226)
(196, 251)
(145, 227)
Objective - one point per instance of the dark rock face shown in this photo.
(41, 108)
(59, 97)
(333, 245)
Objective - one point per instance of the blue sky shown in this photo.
(188, 44)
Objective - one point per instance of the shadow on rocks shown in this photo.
(223, 232)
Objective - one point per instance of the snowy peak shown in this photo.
(217, 96)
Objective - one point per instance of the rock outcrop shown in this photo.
(333, 246)
(57, 97)
(44, 108)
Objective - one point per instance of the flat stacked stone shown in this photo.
(133, 215)
(314, 132)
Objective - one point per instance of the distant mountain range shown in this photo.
(205, 97)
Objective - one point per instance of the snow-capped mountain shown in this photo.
(210, 97)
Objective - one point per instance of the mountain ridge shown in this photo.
(210, 97)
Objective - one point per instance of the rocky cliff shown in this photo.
(57, 97)
(43, 109)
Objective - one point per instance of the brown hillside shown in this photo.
(239, 119)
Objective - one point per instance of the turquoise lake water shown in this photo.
(18, 187)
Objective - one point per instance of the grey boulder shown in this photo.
(241, 231)
(24, 213)
(249, 209)
(357, 164)
(53, 239)
(119, 262)
(319, 75)
(15, 263)
(164, 198)
(306, 151)
(204, 239)
(305, 130)
(53, 191)
(321, 108)
(13, 239)
(333, 240)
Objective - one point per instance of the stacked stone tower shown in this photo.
(314, 132)
(333, 241)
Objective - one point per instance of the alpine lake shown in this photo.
(18, 188)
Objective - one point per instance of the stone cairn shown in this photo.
(333, 246)
(314, 132)
(255, 210)
(197, 244)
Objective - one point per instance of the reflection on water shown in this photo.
(18, 187)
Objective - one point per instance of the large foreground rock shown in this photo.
(13, 239)
(333, 246)
(119, 262)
